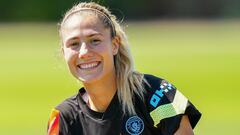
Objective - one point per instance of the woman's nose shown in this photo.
(84, 51)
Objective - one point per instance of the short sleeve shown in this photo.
(167, 105)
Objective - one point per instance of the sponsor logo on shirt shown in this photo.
(159, 93)
(134, 125)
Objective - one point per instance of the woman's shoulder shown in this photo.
(152, 83)
(166, 104)
(152, 78)
(68, 104)
(63, 114)
(68, 108)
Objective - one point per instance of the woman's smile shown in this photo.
(89, 65)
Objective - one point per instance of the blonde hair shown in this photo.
(129, 81)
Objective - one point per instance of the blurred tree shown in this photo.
(52, 10)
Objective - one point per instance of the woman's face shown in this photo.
(88, 48)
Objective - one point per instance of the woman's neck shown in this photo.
(100, 93)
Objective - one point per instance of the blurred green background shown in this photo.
(201, 57)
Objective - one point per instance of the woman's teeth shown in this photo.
(89, 65)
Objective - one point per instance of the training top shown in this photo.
(159, 114)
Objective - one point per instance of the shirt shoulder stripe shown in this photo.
(178, 106)
(53, 123)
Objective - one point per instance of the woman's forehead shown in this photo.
(82, 20)
(77, 25)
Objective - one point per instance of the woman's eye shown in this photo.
(95, 41)
(74, 44)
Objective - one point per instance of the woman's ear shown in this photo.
(116, 44)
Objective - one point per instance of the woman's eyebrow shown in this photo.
(88, 36)
(95, 34)
(73, 38)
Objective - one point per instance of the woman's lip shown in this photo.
(88, 65)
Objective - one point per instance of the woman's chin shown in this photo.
(89, 78)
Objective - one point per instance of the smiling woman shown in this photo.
(115, 98)
(89, 49)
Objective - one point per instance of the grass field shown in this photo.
(202, 59)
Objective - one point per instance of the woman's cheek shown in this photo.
(69, 55)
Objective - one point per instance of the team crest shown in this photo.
(134, 125)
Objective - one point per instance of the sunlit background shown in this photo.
(195, 44)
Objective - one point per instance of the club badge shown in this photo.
(134, 125)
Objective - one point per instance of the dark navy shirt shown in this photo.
(159, 114)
